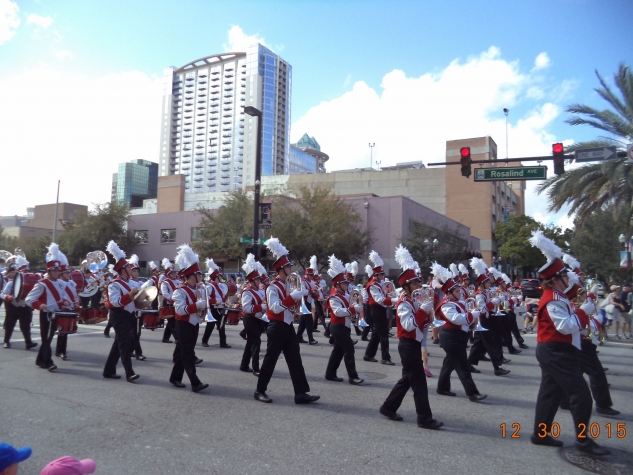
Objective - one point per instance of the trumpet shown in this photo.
(423, 296)
(356, 298)
(203, 295)
(294, 283)
(471, 305)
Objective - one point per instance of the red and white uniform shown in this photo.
(7, 289)
(340, 310)
(51, 293)
(167, 288)
(483, 302)
(217, 295)
(71, 293)
(412, 320)
(185, 304)
(279, 302)
(378, 294)
(455, 314)
(119, 295)
(308, 287)
(254, 302)
(557, 320)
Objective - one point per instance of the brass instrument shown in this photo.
(203, 295)
(6, 255)
(390, 290)
(356, 298)
(471, 305)
(293, 282)
(423, 296)
(94, 262)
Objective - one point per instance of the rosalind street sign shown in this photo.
(510, 173)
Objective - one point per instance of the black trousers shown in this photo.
(123, 323)
(254, 328)
(48, 328)
(454, 342)
(306, 322)
(185, 360)
(367, 315)
(379, 333)
(561, 373)
(170, 328)
(14, 314)
(412, 377)
(591, 366)
(283, 339)
(108, 327)
(487, 342)
(343, 350)
(136, 336)
(62, 345)
(506, 331)
(221, 323)
(514, 328)
(319, 315)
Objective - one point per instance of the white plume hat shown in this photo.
(250, 267)
(119, 256)
(279, 252)
(369, 271)
(377, 262)
(408, 266)
(552, 253)
(188, 260)
(336, 270)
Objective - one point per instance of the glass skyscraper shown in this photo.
(135, 181)
(205, 134)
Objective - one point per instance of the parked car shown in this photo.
(531, 288)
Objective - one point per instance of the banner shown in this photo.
(624, 260)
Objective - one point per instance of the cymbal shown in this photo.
(146, 296)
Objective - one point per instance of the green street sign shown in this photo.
(250, 241)
(511, 173)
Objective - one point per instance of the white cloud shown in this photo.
(240, 41)
(9, 20)
(38, 20)
(63, 54)
(542, 61)
(75, 128)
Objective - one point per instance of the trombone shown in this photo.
(471, 305)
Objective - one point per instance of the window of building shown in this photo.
(196, 233)
(167, 235)
(141, 237)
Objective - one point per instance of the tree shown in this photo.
(450, 248)
(314, 221)
(515, 246)
(610, 183)
(221, 229)
(92, 230)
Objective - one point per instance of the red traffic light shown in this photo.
(464, 152)
(557, 148)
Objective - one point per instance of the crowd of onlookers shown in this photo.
(11, 458)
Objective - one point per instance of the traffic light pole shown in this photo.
(568, 156)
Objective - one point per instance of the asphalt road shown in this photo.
(151, 427)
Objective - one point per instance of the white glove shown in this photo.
(475, 314)
(297, 294)
(264, 307)
(427, 307)
(358, 309)
(588, 307)
(495, 301)
(201, 304)
(520, 298)
(43, 308)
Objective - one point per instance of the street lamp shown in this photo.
(371, 155)
(253, 112)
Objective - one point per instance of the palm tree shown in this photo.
(609, 183)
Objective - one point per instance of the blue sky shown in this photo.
(534, 57)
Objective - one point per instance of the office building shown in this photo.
(135, 181)
(205, 134)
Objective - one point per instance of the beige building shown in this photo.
(42, 219)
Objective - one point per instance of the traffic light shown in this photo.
(558, 151)
(465, 160)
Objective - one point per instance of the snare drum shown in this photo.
(66, 322)
(167, 312)
(233, 316)
(151, 319)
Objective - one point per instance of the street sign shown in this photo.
(250, 241)
(595, 154)
(510, 173)
(266, 215)
(629, 152)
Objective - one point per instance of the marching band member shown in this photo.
(168, 285)
(138, 324)
(153, 281)
(365, 293)
(411, 322)
(341, 314)
(319, 299)
(188, 320)
(378, 303)
(281, 332)
(16, 310)
(254, 308)
(454, 335)
(306, 322)
(511, 302)
(351, 271)
(121, 302)
(557, 352)
(48, 296)
(486, 341)
(217, 298)
(71, 294)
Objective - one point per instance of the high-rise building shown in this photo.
(306, 156)
(205, 134)
(135, 181)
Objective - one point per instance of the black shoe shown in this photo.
(225, 346)
(477, 397)
(52, 368)
(370, 359)
(355, 341)
(432, 424)
(514, 352)
(178, 384)
(334, 378)
(524, 346)
(198, 361)
(112, 376)
(31, 345)
(474, 370)
(436, 342)
(306, 398)
(445, 392)
(246, 370)
(199, 387)
(590, 447)
(387, 362)
(141, 357)
(607, 411)
(301, 340)
(394, 416)
(391, 334)
(133, 378)
(314, 342)
(548, 440)
(326, 334)
(505, 361)
(364, 338)
(256, 373)
(7, 345)
(58, 355)
(331, 341)
(206, 345)
(316, 330)
(484, 358)
(501, 372)
(261, 397)
(107, 335)
(603, 369)
(169, 341)
(356, 381)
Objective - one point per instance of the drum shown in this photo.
(79, 279)
(66, 322)
(151, 319)
(167, 312)
(23, 283)
(232, 288)
(233, 316)
(95, 315)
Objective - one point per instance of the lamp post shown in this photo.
(371, 154)
(253, 112)
(506, 111)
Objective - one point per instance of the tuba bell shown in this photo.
(294, 283)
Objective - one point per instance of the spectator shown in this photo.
(69, 466)
(529, 322)
(10, 458)
(615, 308)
